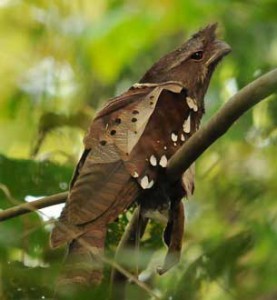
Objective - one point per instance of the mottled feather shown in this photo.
(127, 149)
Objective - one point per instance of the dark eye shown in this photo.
(197, 55)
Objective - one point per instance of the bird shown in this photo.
(126, 152)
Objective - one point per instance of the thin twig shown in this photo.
(33, 206)
(108, 261)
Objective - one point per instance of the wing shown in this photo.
(174, 120)
(113, 155)
(97, 196)
(141, 130)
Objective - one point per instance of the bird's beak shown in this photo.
(220, 50)
(222, 47)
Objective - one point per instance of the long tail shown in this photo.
(83, 265)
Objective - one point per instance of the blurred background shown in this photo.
(59, 62)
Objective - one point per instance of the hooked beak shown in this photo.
(220, 50)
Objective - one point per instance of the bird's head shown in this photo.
(192, 64)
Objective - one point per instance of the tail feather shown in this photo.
(83, 265)
(86, 242)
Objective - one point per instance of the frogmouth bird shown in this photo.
(126, 151)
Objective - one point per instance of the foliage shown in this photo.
(60, 60)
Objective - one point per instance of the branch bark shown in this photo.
(32, 206)
(237, 105)
(242, 101)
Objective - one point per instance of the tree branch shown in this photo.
(194, 147)
(242, 101)
(32, 206)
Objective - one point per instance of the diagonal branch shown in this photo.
(242, 101)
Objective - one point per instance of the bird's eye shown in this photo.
(197, 55)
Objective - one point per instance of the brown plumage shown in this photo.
(126, 152)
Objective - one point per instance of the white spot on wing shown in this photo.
(165, 148)
(163, 161)
(153, 160)
(192, 104)
(174, 137)
(144, 182)
(151, 183)
(186, 125)
(182, 138)
(135, 174)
